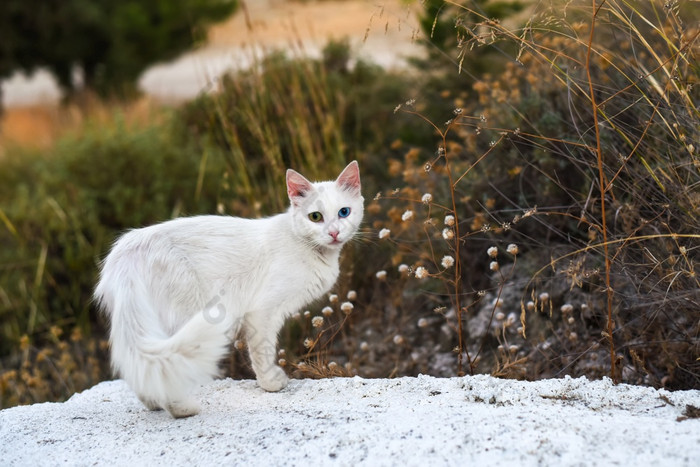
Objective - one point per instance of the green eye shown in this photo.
(316, 216)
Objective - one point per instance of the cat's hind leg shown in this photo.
(150, 405)
(183, 408)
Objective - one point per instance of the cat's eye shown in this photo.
(315, 216)
(344, 212)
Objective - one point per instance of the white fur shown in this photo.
(176, 293)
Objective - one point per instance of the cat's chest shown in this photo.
(301, 281)
(319, 276)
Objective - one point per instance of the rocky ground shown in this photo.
(477, 420)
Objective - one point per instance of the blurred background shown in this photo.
(530, 168)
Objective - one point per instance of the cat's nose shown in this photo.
(334, 234)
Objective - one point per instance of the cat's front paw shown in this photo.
(273, 380)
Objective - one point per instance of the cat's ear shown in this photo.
(298, 186)
(349, 178)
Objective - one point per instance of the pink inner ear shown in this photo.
(349, 178)
(297, 185)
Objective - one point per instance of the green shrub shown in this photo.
(62, 209)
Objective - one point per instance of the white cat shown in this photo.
(176, 293)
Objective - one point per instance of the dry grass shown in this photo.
(36, 127)
(63, 366)
(637, 161)
(40, 127)
(264, 26)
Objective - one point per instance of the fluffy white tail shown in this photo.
(161, 369)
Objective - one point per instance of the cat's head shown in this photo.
(326, 214)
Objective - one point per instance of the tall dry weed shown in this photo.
(590, 131)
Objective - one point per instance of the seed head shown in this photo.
(492, 252)
(408, 215)
(398, 339)
(421, 272)
(448, 234)
(512, 249)
(427, 198)
(449, 220)
(403, 268)
(352, 295)
(494, 266)
(327, 311)
(384, 233)
(422, 323)
(447, 261)
(333, 298)
(347, 307)
(381, 275)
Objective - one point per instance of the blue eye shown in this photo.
(344, 212)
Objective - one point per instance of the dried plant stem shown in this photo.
(603, 188)
(456, 283)
(457, 268)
